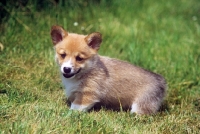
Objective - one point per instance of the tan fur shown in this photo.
(112, 82)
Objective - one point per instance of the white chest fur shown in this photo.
(70, 85)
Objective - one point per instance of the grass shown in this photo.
(162, 36)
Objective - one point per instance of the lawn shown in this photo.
(161, 36)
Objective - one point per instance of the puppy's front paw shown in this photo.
(79, 107)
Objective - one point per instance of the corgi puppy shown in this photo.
(90, 78)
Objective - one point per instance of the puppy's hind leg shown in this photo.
(146, 105)
(149, 102)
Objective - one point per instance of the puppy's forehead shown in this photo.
(74, 39)
(73, 43)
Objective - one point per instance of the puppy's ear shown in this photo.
(57, 34)
(94, 40)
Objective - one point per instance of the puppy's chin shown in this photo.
(71, 75)
(68, 75)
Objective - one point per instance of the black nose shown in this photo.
(67, 70)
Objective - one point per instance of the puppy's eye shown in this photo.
(63, 55)
(78, 58)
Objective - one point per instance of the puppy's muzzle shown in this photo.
(67, 72)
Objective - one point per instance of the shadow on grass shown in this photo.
(98, 106)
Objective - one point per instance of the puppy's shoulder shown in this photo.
(116, 63)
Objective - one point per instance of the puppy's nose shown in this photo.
(67, 70)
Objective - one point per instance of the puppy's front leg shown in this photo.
(83, 102)
(81, 107)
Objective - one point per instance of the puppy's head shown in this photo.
(74, 52)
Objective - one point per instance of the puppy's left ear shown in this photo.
(94, 40)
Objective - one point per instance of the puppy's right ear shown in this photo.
(57, 34)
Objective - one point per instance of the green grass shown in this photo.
(162, 36)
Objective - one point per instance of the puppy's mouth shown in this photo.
(71, 74)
